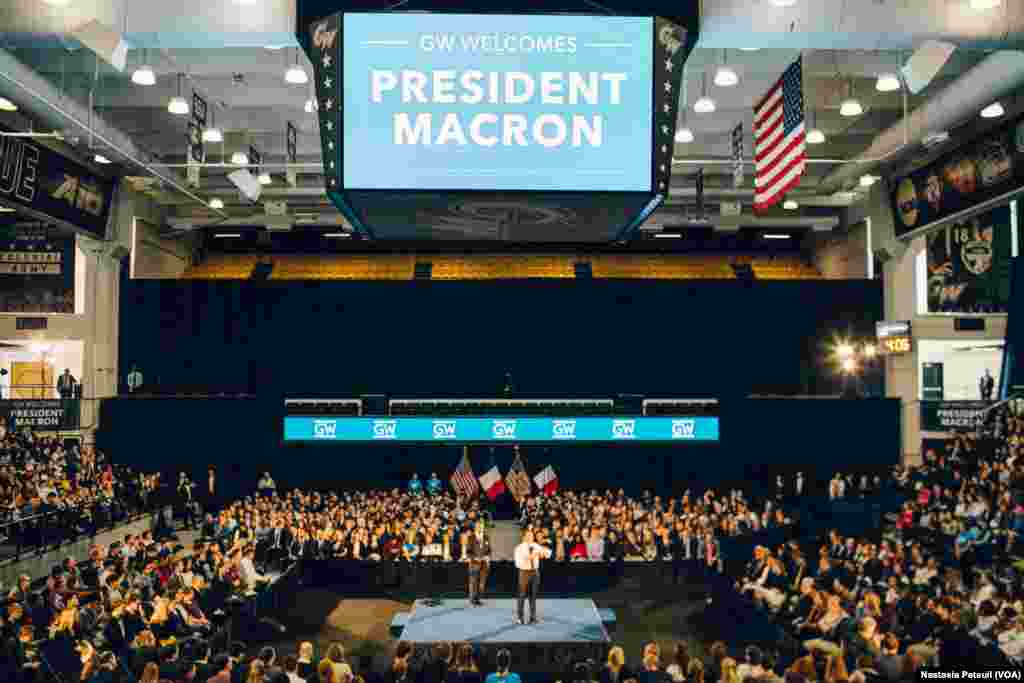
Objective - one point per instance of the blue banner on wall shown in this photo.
(478, 429)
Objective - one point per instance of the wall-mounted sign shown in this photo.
(950, 416)
(987, 167)
(894, 337)
(52, 187)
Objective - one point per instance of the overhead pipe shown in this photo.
(994, 77)
(18, 80)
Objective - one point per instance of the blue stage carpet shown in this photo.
(560, 621)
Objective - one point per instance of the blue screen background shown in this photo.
(392, 42)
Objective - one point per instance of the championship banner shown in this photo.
(39, 181)
(39, 414)
(988, 167)
(37, 272)
(969, 265)
(951, 416)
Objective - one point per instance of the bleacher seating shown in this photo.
(502, 266)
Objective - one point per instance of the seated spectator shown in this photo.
(613, 670)
(503, 665)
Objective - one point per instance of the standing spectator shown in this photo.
(66, 385)
(434, 484)
(266, 485)
(613, 669)
(415, 485)
(466, 670)
(985, 386)
(134, 380)
(503, 662)
(211, 489)
(680, 659)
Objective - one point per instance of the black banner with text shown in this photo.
(951, 416)
(39, 414)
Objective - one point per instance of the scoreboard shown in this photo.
(894, 337)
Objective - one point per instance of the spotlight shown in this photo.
(216, 203)
(264, 178)
(993, 111)
(7, 105)
(726, 77)
(705, 105)
(845, 351)
(870, 351)
(851, 107)
(815, 136)
(240, 159)
(144, 75)
(213, 135)
(684, 135)
(867, 180)
(887, 82)
(849, 365)
(791, 205)
(100, 159)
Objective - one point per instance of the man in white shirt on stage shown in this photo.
(527, 557)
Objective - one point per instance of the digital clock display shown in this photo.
(894, 345)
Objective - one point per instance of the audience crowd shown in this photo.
(936, 584)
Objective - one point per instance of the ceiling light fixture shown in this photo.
(264, 178)
(4, 209)
(240, 159)
(993, 111)
(213, 133)
(851, 106)
(704, 105)
(775, 236)
(216, 203)
(783, 3)
(981, 5)
(887, 82)
(227, 235)
(814, 136)
(791, 205)
(144, 75)
(100, 159)
(310, 106)
(178, 105)
(867, 180)
(750, 49)
(725, 76)
(337, 234)
(7, 105)
(57, 3)
(684, 135)
(668, 236)
(295, 74)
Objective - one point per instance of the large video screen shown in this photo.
(479, 429)
(497, 102)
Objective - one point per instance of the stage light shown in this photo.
(144, 75)
(100, 159)
(240, 159)
(870, 351)
(844, 350)
(993, 111)
(981, 5)
(264, 178)
(216, 203)
(684, 135)
(815, 136)
(7, 105)
(704, 105)
(849, 365)
(791, 205)
(213, 135)
(851, 107)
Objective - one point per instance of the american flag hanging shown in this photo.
(780, 149)
(464, 480)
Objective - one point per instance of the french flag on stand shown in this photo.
(492, 482)
(547, 480)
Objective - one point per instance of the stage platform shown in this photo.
(561, 621)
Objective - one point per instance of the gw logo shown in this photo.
(683, 429)
(563, 429)
(444, 430)
(325, 429)
(504, 429)
(385, 429)
(624, 429)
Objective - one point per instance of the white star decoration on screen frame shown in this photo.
(327, 61)
(327, 81)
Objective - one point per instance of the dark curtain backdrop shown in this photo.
(459, 338)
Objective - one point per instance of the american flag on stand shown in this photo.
(780, 149)
(463, 479)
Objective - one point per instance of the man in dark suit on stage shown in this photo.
(478, 553)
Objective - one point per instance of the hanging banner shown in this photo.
(969, 265)
(951, 416)
(988, 167)
(37, 272)
(39, 414)
(52, 187)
